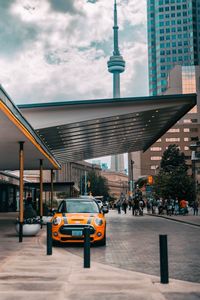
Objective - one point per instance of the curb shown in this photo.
(175, 220)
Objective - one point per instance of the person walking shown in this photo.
(176, 207)
(124, 205)
(195, 208)
(118, 205)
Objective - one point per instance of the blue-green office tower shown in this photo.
(173, 38)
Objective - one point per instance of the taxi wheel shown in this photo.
(55, 243)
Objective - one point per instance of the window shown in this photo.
(156, 157)
(186, 139)
(174, 130)
(194, 120)
(193, 129)
(154, 167)
(156, 149)
(186, 130)
(172, 139)
(186, 121)
(186, 148)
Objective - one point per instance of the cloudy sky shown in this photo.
(54, 50)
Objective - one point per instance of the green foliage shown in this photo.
(173, 158)
(173, 180)
(141, 182)
(98, 185)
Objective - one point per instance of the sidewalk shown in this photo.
(188, 219)
(27, 272)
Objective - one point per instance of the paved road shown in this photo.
(133, 244)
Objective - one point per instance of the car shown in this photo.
(73, 215)
(100, 203)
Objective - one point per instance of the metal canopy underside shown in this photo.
(14, 129)
(105, 127)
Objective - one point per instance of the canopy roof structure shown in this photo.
(15, 129)
(79, 130)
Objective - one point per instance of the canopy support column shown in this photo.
(51, 206)
(41, 190)
(21, 190)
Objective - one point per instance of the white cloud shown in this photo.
(61, 61)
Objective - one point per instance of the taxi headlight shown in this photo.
(56, 221)
(98, 221)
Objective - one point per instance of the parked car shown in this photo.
(100, 203)
(73, 215)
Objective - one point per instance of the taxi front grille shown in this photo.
(69, 229)
(74, 238)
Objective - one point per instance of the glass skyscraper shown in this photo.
(174, 68)
(173, 38)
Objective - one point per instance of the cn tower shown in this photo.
(116, 65)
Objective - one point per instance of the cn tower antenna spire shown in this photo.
(115, 30)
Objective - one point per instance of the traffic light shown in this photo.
(150, 179)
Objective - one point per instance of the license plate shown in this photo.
(77, 233)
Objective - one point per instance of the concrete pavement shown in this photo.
(27, 272)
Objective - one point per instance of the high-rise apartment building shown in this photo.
(174, 59)
(181, 80)
(173, 38)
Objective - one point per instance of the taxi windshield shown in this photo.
(78, 206)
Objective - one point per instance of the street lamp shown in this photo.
(85, 183)
(132, 183)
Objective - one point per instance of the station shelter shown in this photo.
(43, 136)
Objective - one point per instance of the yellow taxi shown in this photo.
(73, 215)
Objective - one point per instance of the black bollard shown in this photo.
(164, 274)
(86, 233)
(20, 232)
(49, 238)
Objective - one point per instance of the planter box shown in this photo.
(29, 229)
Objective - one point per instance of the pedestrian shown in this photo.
(118, 205)
(124, 205)
(29, 199)
(148, 206)
(129, 202)
(195, 208)
(176, 207)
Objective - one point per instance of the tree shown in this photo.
(96, 184)
(173, 180)
(173, 158)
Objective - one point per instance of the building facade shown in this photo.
(173, 51)
(173, 60)
(117, 183)
(173, 39)
(182, 79)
